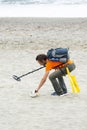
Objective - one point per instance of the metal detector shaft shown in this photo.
(30, 72)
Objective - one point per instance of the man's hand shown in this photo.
(34, 94)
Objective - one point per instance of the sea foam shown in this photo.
(43, 10)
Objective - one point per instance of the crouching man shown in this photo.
(55, 77)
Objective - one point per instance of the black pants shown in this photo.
(57, 80)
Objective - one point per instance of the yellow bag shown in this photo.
(73, 82)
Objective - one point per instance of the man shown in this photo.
(56, 77)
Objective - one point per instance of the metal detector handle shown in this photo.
(31, 71)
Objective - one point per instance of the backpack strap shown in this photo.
(59, 66)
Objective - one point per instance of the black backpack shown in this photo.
(58, 54)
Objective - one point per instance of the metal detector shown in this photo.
(18, 78)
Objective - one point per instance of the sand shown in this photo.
(21, 39)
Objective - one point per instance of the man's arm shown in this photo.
(43, 80)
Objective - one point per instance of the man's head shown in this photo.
(42, 59)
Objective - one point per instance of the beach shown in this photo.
(21, 40)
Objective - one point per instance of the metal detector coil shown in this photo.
(16, 78)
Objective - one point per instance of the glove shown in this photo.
(34, 93)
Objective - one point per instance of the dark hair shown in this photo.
(41, 57)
